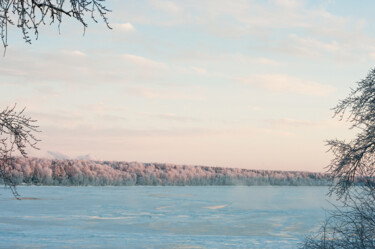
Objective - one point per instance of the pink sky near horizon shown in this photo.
(244, 84)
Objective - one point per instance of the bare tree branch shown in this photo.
(28, 15)
(352, 224)
(357, 157)
(16, 134)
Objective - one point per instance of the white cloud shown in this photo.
(199, 70)
(286, 83)
(174, 117)
(73, 52)
(321, 32)
(144, 62)
(166, 6)
(279, 133)
(255, 108)
(310, 47)
(266, 61)
(289, 4)
(126, 27)
(290, 122)
(150, 93)
(244, 59)
(144, 92)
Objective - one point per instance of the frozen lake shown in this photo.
(160, 217)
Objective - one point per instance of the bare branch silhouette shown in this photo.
(16, 134)
(29, 15)
(352, 224)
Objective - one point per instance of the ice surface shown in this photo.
(160, 217)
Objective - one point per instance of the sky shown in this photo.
(245, 84)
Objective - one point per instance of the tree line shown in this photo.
(39, 171)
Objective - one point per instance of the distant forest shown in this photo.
(37, 171)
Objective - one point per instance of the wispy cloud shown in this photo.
(303, 26)
(150, 93)
(107, 134)
(73, 53)
(143, 62)
(288, 84)
(123, 27)
(289, 122)
(279, 133)
(60, 116)
(166, 73)
(199, 70)
(174, 117)
(266, 61)
(167, 6)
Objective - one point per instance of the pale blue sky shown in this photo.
(239, 83)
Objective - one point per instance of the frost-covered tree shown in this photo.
(16, 133)
(355, 159)
(81, 172)
(352, 224)
(29, 15)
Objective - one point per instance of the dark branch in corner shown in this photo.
(29, 15)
